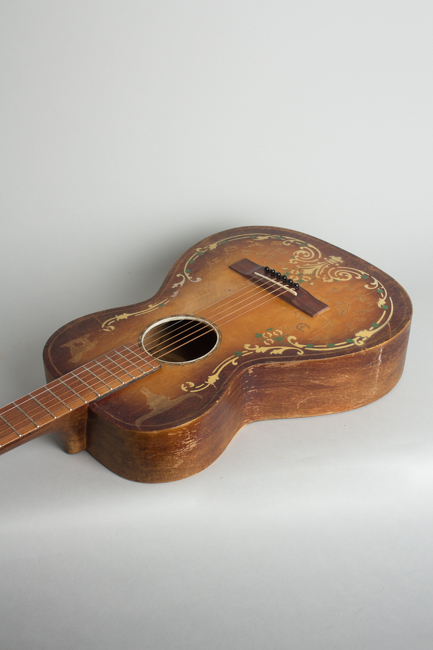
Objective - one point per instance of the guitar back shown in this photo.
(268, 359)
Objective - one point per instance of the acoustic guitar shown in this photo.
(250, 324)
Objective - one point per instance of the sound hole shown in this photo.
(180, 339)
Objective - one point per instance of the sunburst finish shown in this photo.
(271, 359)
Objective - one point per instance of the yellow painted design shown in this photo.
(190, 387)
(304, 254)
(307, 253)
(108, 325)
(269, 337)
(308, 265)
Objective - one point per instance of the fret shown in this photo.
(101, 388)
(6, 438)
(15, 419)
(17, 422)
(99, 378)
(49, 402)
(34, 410)
(4, 426)
(136, 359)
(130, 364)
(11, 426)
(85, 392)
(109, 371)
(139, 354)
(25, 414)
(144, 357)
(42, 406)
(71, 389)
(135, 365)
(121, 367)
(147, 363)
(86, 384)
(117, 370)
(58, 398)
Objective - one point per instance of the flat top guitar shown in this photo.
(250, 324)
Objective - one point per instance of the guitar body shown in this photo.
(271, 360)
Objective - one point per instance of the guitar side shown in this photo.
(271, 361)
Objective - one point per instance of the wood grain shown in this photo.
(272, 360)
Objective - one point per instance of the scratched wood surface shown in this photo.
(272, 361)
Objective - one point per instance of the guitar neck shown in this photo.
(39, 412)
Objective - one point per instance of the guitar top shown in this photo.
(252, 323)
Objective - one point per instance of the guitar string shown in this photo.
(204, 327)
(18, 423)
(258, 284)
(53, 403)
(85, 368)
(211, 316)
(238, 288)
(21, 421)
(242, 285)
(74, 374)
(248, 283)
(226, 321)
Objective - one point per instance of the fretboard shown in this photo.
(85, 384)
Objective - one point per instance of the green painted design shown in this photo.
(314, 265)
(272, 336)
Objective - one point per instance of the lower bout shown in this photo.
(264, 391)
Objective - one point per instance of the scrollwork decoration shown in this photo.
(307, 252)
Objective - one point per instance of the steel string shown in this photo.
(86, 367)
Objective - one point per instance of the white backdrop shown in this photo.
(131, 130)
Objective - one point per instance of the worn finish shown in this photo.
(272, 360)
